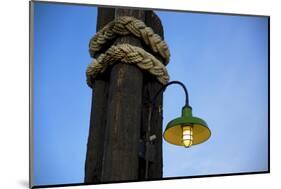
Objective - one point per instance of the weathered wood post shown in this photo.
(124, 115)
(95, 146)
(119, 115)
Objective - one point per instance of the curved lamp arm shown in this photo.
(164, 88)
(153, 100)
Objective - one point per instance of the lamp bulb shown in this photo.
(187, 136)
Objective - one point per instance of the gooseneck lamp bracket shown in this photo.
(153, 100)
(186, 130)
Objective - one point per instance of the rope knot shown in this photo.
(126, 53)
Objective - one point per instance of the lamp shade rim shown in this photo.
(173, 130)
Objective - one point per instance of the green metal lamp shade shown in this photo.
(174, 130)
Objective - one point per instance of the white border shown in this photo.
(14, 91)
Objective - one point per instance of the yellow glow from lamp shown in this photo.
(187, 130)
(187, 136)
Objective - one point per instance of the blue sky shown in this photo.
(221, 59)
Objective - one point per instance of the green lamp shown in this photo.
(186, 130)
(182, 131)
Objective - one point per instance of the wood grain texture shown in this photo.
(119, 114)
(95, 145)
(120, 161)
(150, 88)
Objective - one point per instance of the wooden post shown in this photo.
(150, 88)
(124, 114)
(119, 113)
(95, 146)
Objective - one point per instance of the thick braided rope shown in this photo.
(128, 54)
(129, 25)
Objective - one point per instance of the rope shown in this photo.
(128, 54)
(129, 25)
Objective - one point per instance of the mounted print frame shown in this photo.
(103, 103)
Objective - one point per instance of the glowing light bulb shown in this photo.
(187, 136)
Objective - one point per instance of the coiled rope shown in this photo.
(126, 53)
(129, 54)
(126, 25)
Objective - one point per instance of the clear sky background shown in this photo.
(221, 59)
